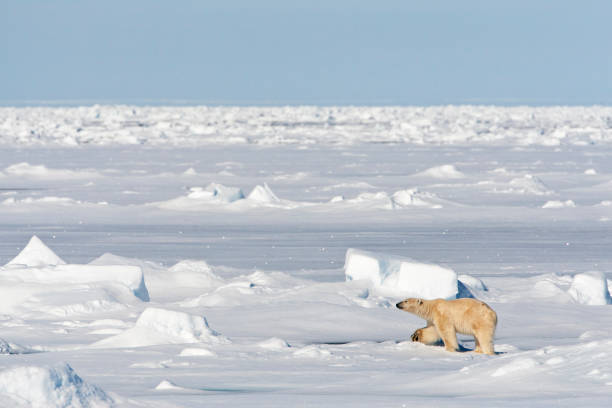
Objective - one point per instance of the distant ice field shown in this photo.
(484, 214)
(304, 125)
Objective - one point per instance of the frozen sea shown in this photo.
(243, 216)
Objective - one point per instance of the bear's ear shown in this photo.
(420, 302)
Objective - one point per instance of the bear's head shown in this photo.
(410, 305)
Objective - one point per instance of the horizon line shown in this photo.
(185, 102)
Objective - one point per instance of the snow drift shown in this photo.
(400, 277)
(49, 387)
(185, 278)
(218, 196)
(446, 171)
(159, 326)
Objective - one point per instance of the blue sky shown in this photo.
(274, 52)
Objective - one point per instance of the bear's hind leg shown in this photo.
(484, 343)
(426, 335)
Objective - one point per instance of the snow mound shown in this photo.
(49, 201)
(42, 172)
(263, 194)
(559, 204)
(213, 195)
(159, 326)
(166, 385)
(218, 192)
(217, 196)
(186, 278)
(414, 198)
(379, 200)
(446, 171)
(196, 352)
(194, 273)
(10, 348)
(590, 288)
(528, 184)
(400, 277)
(38, 281)
(48, 387)
(274, 344)
(312, 351)
(128, 276)
(408, 198)
(517, 366)
(35, 254)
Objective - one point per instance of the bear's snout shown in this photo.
(399, 305)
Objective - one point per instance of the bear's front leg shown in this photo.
(426, 335)
(449, 337)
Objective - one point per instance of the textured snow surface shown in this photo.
(49, 387)
(194, 257)
(159, 326)
(197, 126)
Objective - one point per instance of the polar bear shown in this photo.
(445, 318)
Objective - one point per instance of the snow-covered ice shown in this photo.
(243, 256)
(41, 387)
(398, 277)
(160, 326)
(590, 288)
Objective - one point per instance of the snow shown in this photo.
(559, 204)
(516, 367)
(160, 326)
(472, 282)
(40, 171)
(197, 256)
(47, 387)
(273, 343)
(35, 254)
(400, 277)
(304, 125)
(590, 288)
(446, 171)
(528, 184)
(414, 197)
(197, 352)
